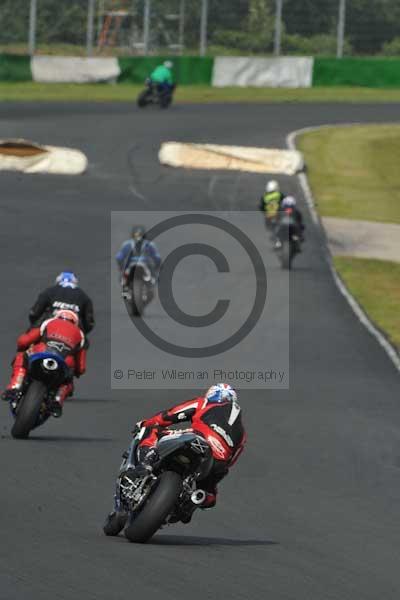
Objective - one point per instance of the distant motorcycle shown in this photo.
(46, 372)
(157, 94)
(137, 286)
(143, 505)
(287, 234)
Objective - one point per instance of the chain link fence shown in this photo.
(237, 27)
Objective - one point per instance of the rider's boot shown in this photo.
(56, 407)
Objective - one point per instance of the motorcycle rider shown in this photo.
(62, 332)
(217, 417)
(289, 203)
(138, 247)
(271, 201)
(162, 77)
(65, 294)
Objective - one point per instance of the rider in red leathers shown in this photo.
(217, 417)
(64, 334)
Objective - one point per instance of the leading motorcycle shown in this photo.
(145, 504)
(47, 370)
(158, 94)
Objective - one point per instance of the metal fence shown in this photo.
(305, 27)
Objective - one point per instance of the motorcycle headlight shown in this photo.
(50, 364)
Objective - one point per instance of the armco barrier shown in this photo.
(15, 68)
(368, 72)
(188, 70)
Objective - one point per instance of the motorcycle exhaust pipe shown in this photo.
(198, 497)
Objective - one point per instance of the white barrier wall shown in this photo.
(263, 72)
(65, 69)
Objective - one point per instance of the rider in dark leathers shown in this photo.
(64, 295)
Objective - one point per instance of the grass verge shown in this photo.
(32, 91)
(376, 285)
(354, 171)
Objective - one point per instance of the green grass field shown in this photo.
(354, 174)
(354, 171)
(376, 285)
(31, 91)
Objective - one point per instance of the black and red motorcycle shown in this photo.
(143, 505)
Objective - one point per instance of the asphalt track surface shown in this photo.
(311, 510)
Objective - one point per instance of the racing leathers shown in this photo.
(220, 424)
(132, 251)
(58, 297)
(270, 204)
(66, 338)
(162, 74)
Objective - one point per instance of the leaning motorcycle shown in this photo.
(145, 504)
(155, 94)
(287, 234)
(47, 370)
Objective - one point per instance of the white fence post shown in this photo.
(90, 27)
(341, 28)
(32, 27)
(203, 27)
(146, 25)
(278, 27)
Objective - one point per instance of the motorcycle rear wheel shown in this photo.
(286, 254)
(160, 504)
(139, 298)
(28, 410)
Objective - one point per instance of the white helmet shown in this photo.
(169, 64)
(219, 393)
(289, 202)
(272, 186)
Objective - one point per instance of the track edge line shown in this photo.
(362, 316)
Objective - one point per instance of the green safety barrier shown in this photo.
(188, 70)
(14, 67)
(368, 72)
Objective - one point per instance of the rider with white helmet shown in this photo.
(270, 201)
(217, 417)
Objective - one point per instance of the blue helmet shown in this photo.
(221, 392)
(67, 279)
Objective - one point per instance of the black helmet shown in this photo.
(138, 233)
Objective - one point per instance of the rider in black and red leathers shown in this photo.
(63, 333)
(216, 416)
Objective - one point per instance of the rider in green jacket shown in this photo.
(162, 75)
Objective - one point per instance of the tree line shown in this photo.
(309, 26)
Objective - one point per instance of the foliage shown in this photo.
(392, 48)
(320, 44)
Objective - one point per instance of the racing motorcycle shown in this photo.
(287, 232)
(145, 504)
(155, 94)
(47, 370)
(137, 286)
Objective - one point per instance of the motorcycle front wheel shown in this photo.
(141, 527)
(143, 99)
